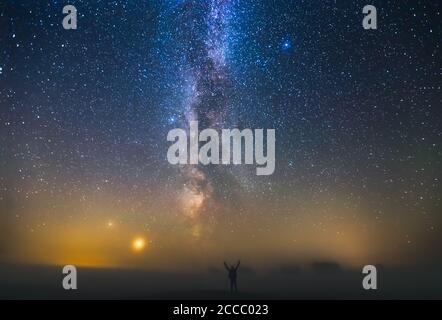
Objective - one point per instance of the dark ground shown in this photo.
(320, 281)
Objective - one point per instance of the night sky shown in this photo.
(84, 177)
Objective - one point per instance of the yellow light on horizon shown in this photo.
(138, 244)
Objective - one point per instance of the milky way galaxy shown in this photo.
(206, 67)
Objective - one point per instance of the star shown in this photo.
(286, 44)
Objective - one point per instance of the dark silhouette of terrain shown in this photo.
(325, 280)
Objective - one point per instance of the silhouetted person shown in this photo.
(232, 276)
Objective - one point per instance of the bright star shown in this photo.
(286, 44)
(138, 244)
(171, 120)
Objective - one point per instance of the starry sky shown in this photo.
(84, 177)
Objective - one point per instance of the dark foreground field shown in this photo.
(321, 281)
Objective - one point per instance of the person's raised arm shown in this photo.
(237, 265)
